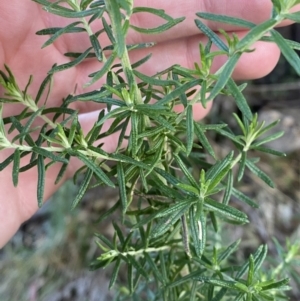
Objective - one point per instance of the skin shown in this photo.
(20, 50)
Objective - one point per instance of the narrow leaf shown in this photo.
(203, 140)
(122, 186)
(160, 13)
(116, 19)
(228, 190)
(212, 35)
(43, 152)
(69, 28)
(6, 162)
(255, 34)
(241, 101)
(115, 273)
(258, 172)
(16, 167)
(94, 167)
(177, 92)
(83, 188)
(225, 210)
(41, 180)
(70, 64)
(190, 129)
(96, 45)
(226, 19)
(242, 197)
(103, 71)
(225, 75)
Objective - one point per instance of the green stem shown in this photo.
(115, 253)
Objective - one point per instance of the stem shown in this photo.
(115, 253)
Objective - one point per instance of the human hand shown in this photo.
(20, 50)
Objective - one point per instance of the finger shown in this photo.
(252, 11)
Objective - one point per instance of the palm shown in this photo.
(20, 50)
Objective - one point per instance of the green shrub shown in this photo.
(168, 208)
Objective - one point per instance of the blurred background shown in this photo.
(48, 259)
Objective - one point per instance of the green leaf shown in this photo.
(112, 114)
(29, 123)
(122, 186)
(294, 16)
(140, 62)
(46, 82)
(198, 231)
(268, 138)
(226, 19)
(186, 171)
(133, 142)
(241, 101)
(16, 167)
(108, 212)
(160, 120)
(103, 71)
(167, 222)
(115, 273)
(190, 129)
(268, 151)
(116, 19)
(174, 208)
(250, 271)
(171, 179)
(96, 45)
(154, 81)
(83, 188)
(70, 64)
(258, 254)
(17, 124)
(130, 278)
(217, 282)
(69, 28)
(258, 260)
(228, 251)
(242, 165)
(226, 210)
(258, 172)
(202, 138)
(228, 189)
(276, 285)
(108, 31)
(177, 92)
(40, 180)
(68, 13)
(137, 266)
(131, 161)
(154, 268)
(84, 4)
(219, 170)
(160, 13)
(93, 166)
(255, 34)
(62, 170)
(45, 153)
(224, 76)
(229, 135)
(221, 293)
(6, 162)
(291, 56)
(191, 276)
(211, 35)
(242, 197)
